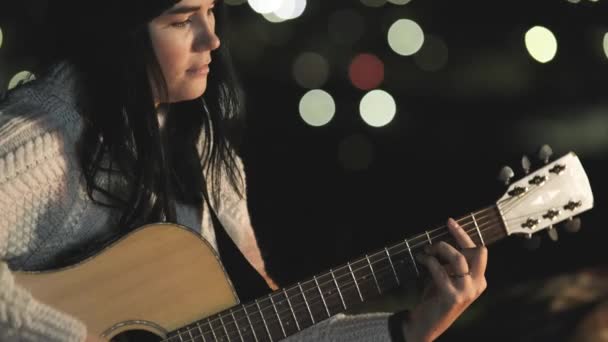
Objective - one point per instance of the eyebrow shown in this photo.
(182, 10)
(185, 9)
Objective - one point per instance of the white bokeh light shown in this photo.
(399, 2)
(605, 43)
(21, 78)
(541, 44)
(265, 6)
(317, 107)
(291, 9)
(273, 17)
(1, 37)
(405, 37)
(378, 108)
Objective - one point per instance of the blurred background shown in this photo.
(372, 120)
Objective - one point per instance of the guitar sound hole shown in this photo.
(136, 336)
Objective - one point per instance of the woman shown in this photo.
(135, 117)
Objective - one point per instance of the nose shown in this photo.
(206, 39)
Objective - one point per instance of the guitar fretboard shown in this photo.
(294, 308)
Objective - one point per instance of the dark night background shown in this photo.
(440, 156)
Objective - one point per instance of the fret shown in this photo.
(306, 302)
(300, 310)
(179, 334)
(212, 330)
(338, 288)
(241, 322)
(278, 316)
(373, 274)
(285, 313)
(255, 335)
(331, 293)
(428, 237)
(412, 257)
(220, 332)
(200, 330)
(224, 327)
(355, 281)
(236, 324)
(295, 318)
(478, 230)
(322, 297)
(388, 255)
(263, 320)
(363, 273)
(347, 286)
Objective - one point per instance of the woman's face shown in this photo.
(183, 38)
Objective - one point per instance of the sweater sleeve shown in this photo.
(32, 187)
(235, 217)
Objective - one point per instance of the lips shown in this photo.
(200, 68)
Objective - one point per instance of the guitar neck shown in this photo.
(294, 308)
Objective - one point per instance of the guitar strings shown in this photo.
(284, 291)
(314, 289)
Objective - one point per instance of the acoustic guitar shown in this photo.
(163, 282)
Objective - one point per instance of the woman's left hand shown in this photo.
(453, 287)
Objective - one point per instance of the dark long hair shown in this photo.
(126, 161)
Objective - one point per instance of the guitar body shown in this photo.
(156, 279)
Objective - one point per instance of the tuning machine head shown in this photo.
(552, 232)
(544, 153)
(505, 175)
(572, 225)
(526, 165)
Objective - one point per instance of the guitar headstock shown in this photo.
(554, 193)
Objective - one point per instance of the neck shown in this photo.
(291, 309)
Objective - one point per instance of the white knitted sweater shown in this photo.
(44, 211)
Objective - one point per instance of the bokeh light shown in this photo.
(356, 152)
(405, 37)
(311, 70)
(541, 44)
(605, 44)
(366, 71)
(378, 108)
(317, 107)
(291, 9)
(346, 26)
(433, 55)
(273, 17)
(373, 3)
(399, 2)
(1, 37)
(265, 6)
(20, 78)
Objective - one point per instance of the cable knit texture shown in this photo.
(46, 213)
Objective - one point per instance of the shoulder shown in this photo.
(36, 125)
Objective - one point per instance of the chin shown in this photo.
(190, 94)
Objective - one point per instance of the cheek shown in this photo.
(172, 57)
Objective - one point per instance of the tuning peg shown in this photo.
(531, 242)
(505, 175)
(552, 232)
(526, 164)
(544, 153)
(573, 225)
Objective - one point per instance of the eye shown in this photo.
(182, 24)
